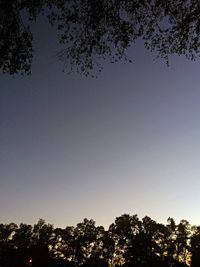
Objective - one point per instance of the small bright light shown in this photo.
(30, 261)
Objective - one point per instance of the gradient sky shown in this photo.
(73, 147)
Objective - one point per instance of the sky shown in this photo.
(73, 147)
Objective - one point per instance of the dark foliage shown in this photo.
(128, 242)
(92, 31)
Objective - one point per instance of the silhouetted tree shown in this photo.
(91, 30)
(62, 243)
(195, 246)
(39, 251)
(108, 250)
(124, 230)
(7, 247)
(182, 241)
(97, 254)
(22, 243)
(128, 242)
(84, 238)
(15, 39)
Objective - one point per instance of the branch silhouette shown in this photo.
(91, 31)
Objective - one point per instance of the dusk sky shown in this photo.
(73, 147)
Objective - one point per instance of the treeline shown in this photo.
(128, 242)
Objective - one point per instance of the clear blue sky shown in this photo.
(74, 147)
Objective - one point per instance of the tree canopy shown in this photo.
(91, 31)
(128, 242)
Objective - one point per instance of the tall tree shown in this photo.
(195, 246)
(84, 238)
(42, 234)
(22, 242)
(7, 246)
(182, 241)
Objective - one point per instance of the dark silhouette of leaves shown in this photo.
(92, 31)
